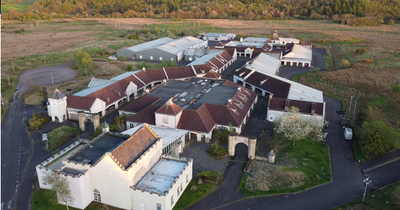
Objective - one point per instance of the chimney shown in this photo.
(313, 108)
(287, 103)
(45, 97)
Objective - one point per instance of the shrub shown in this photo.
(396, 88)
(378, 138)
(321, 41)
(122, 58)
(344, 63)
(22, 30)
(37, 121)
(210, 175)
(129, 67)
(217, 151)
(361, 51)
(133, 36)
(391, 22)
(55, 152)
(367, 61)
(101, 52)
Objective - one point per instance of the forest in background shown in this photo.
(366, 12)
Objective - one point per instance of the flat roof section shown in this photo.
(161, 176)
(95, 150)
(198, 89)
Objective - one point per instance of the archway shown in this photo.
(250, 142)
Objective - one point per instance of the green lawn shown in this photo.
(387, 198)
(59, 136)
(190, 197)
(47, 200)
(311, 160)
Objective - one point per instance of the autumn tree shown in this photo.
(83, 61)
(60, 185)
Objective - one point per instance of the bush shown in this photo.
(129, 67)
(217, 151)
(321, 41)
(361, 51)
(391, 22)
(37, 121)
(209, 175)
(101, 52)
(344, 63)
(122, 58)
(133, 36)
(396, 88)
(378, 138)
(22, 30)
(367, 61)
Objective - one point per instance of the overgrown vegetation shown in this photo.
(220, 136)
(210, 176)
(217, 151)
(60, 135)
(84, 62)
(37, 121)
(190, 197)
(387, 198)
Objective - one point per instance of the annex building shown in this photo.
(124, 171)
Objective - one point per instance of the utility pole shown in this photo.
(8, 77)
(12, 64)
(52, 81)
(354, 110)
(351, 100)
(367, 182)
(86, 70)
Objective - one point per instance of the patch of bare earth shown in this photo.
(266, 176)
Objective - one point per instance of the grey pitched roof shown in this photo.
(56, 94)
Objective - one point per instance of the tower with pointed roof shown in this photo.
(168, 115)
(57, 106)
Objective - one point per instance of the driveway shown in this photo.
(318, 61)
(43, 76)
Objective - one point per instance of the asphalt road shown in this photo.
(16, 147)
(43, 76)
(318, 61)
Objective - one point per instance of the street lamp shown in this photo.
(367, 182)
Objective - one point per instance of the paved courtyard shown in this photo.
(201, 161)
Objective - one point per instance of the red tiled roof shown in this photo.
(156, 74)
(169, 108)
(274, 86)
(135, 81)
(179, 72)
(109, 94)
(140, 103)
(78, 102)
(205, 67)
(212, 74)
(129, 151)
(304, 106)
(146, 115)
(221, 114)
(197, 120)
(142, 75)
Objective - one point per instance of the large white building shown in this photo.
(57, 106)
(218, 36)
(163, 49)
(128, 172)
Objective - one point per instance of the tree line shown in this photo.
(227, 9)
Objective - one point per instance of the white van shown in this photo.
(348, 133)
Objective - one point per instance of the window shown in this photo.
(151, 57)
(160, 58)
(181, 187)
(131, 125)
(172, 200)
(177, 191)
(158, 206)
(140, 56)
(97, 196)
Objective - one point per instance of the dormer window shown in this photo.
(165, 120)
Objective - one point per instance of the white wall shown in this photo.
(149, 200)
(98, 106)
(132, 88)
(172, 120)
(57, 108)
(273, 116)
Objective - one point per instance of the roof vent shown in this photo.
(144, 69)
(108, 99)
(230, 100)
(239, 88)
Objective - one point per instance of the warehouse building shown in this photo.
(163, 49)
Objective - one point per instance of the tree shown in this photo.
(293, 127)
(61, 186)
(83, 61)
(378, 138)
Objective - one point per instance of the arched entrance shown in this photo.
(250, 142)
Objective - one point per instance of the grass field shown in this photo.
(190, 197)
(296, 168)
(16, 7)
